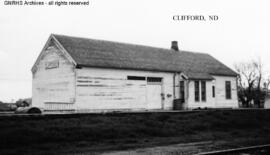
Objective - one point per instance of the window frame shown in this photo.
(154, 79)
(52, 64)
(138, 78)
(182, 89)
(213, 91)
(203, 91)
(197, 91)
(228, 90)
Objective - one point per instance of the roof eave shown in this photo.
(207, 79)
(227, 75)
(127, 68)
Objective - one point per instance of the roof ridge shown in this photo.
(129, 44)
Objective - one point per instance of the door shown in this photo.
(154, 93)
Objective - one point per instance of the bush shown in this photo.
(7, 107)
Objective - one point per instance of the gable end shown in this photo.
(52, 41)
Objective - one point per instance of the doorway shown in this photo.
(154, 92)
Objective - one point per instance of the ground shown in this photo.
(103, 133)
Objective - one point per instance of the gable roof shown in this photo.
(107, 54)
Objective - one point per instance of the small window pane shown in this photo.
(197, 91)
(228, 90)
(182, 89)
(135, 78)
(213, 91)
(52, 64)
(154, 79)
(203, 90)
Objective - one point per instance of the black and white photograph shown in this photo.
(126, 77)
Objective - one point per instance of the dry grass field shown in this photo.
(62, 134)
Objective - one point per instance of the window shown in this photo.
(213, 91)
(228, 90)
(153, 79)
(197, 91)
(52, 64)
(203, 90)
(182, 89)
(136, 78)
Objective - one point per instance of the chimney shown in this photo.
(174, 46)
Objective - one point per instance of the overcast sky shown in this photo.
(241, 33)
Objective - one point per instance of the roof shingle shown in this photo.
(107, 54)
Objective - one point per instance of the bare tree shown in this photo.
(266, 85)
(259, 94)
(246, 79)
(259, 72)
(250, 76)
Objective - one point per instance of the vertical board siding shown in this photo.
(53, 81)
(154, 96)
(58, 106)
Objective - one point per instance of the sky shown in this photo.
(240, 34)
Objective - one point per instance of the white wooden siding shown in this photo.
(110, 89)
(154, 97)
(55, 85)
(65, 88)
(219, 101)
(109, 93)
(210, 101)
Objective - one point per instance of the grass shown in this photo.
(96, 133)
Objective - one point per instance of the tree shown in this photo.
(267, 84)
(259, 94)
(23, 102)
(250, 76)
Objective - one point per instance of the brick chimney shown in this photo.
(175, 46)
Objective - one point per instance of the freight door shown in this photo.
(154, 93)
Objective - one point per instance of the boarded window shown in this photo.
(213, 91)
(228, 90)
(52, 64)
(197, 91)
(203, 90)
(136, 78)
